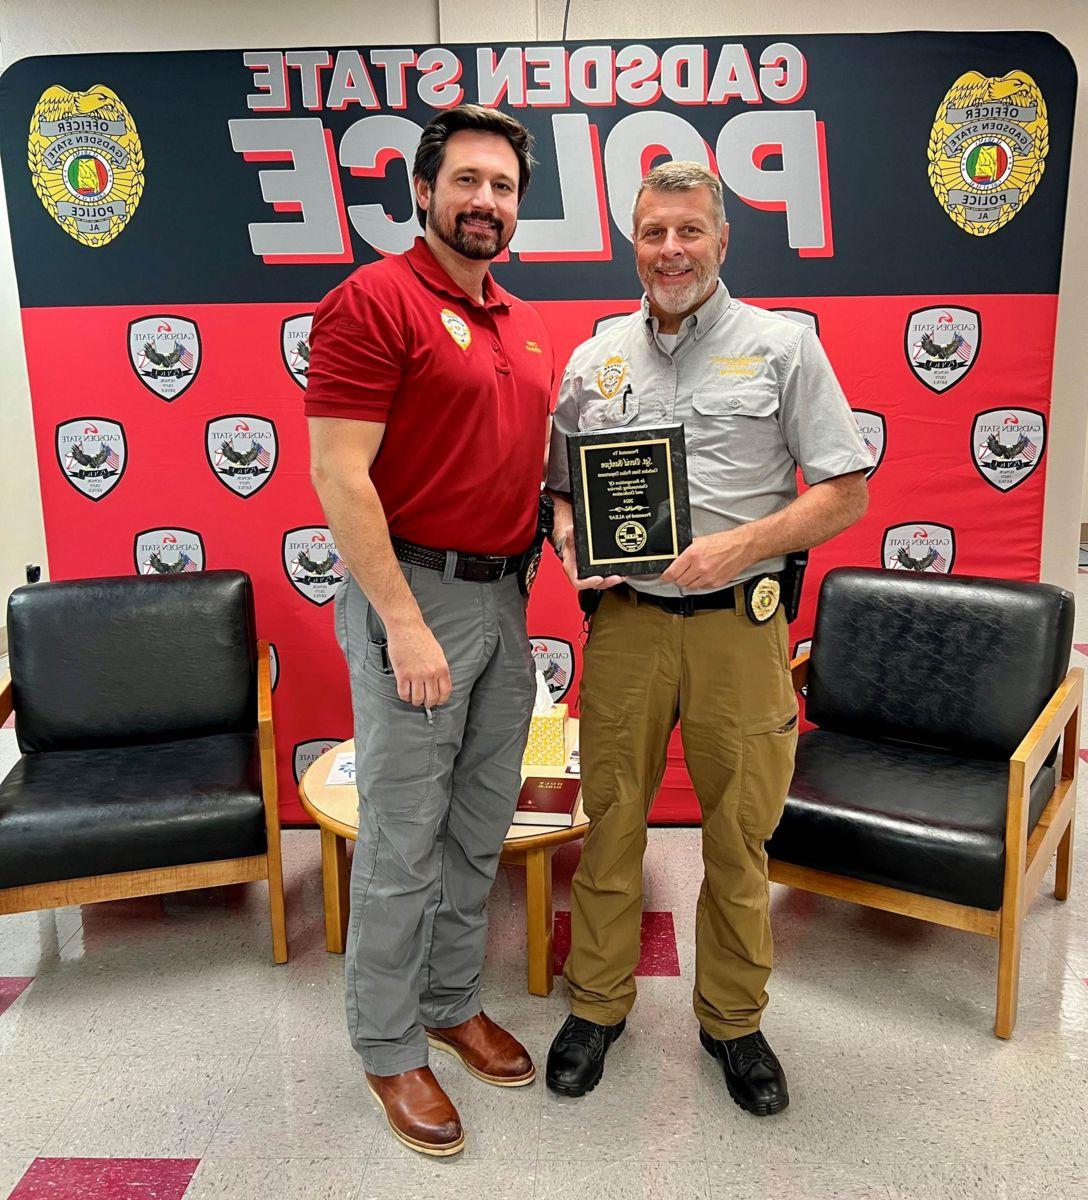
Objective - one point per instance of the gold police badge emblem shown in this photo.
(987, 148)
(761, 597)
(86, 162)
(611, 376)
(456, 328)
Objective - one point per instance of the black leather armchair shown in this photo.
(932, 786)
(143, 713)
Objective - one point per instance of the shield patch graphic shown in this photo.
(942, 345)
(273, 664)
(1007, 445)
(802, 316)
(295, 346)
(874, 433)
(242, 452)
(307, 753)
(165, 353)
(92, 453)
(554, 659)
(919, 546)
(170, 551)
(314, 568)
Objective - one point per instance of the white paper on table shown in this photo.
(343, 768)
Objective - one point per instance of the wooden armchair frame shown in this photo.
(1026, 858)
(157, 880)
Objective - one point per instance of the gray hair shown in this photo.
(675, 176)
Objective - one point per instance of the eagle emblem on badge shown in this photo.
(611, 376)
(86, 162)
(987, 148)
(456, 328)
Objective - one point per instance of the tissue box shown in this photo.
(547, 745)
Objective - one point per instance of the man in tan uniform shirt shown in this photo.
(758, 399)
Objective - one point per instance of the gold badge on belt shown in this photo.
(761, 598)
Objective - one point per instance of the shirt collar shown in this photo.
(703, 319)
(421, 259)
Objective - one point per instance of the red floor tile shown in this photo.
(1081, 647)
(105, 1179)
(9, 723)
(1083, 754)
(658, 957)
(11, 987)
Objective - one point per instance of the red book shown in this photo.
(547, 801)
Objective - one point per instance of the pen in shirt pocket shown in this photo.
(623, 399)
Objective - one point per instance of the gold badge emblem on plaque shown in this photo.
(611, 375)
(987, 148)
(86, 162)
(762, 598)
(456, 328)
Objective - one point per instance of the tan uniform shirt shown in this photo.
(754, 391)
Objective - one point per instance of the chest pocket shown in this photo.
(596, 412)
(734, 429)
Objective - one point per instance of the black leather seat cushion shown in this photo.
(72, 813)
(903, 816)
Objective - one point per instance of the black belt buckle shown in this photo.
(483, 568)
(679, 606)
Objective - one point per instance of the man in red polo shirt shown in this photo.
(427, 398)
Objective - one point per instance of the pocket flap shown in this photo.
(738, 400)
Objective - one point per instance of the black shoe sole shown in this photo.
(757, 1110)
(575, 1092)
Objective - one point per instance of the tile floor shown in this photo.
(149, 1049)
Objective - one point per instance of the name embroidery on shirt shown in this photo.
(456, 328)
(532, 347)
(611, 376)
(745, 366)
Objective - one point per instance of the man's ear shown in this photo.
(422, 190)
(724, 244)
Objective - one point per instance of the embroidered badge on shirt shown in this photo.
(611, 376)
(745, 366)
(456, 328)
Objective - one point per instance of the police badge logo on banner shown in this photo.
(242, 452)
(86, 162)
(874, 433)
(554, 659)
(919, 546)
(93, 454)
(171, 551)
(942, 345)
(987, 148)
(1007, 445)
(307, 753)
(165, 353)
(314, 568)
(295, 346)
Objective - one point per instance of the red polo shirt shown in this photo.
(462, 388)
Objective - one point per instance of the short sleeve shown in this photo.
(357, 353)
(564, 421)
(816, 420)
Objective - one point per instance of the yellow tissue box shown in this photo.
(548, 738)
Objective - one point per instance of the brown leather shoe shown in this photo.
(486, 1050)
(419, 1112)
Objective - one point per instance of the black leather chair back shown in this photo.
(960, 663)
(109, 662)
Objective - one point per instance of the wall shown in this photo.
(99, 25)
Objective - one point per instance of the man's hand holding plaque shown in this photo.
(629, 488)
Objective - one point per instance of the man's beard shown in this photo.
(680, 300)
(469, 243)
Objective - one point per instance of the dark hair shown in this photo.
(437, 132)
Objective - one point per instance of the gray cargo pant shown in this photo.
(437, 791)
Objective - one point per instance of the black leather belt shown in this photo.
(474, 568)
(683, 606)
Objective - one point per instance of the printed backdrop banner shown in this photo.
(176, 217)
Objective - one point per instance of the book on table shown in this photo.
(546, 800)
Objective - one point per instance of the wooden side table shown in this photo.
(336, 809)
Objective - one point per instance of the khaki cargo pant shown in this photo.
(727, 680)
